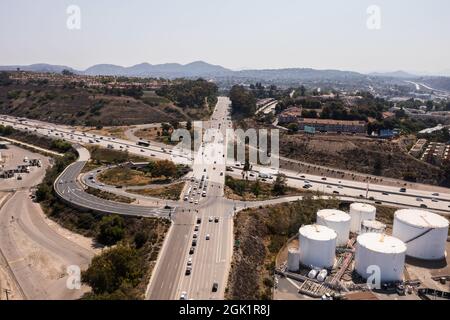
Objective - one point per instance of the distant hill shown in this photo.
(298, 74)
(194, 70)
(396, 74)
(38, 67)
(167, 70)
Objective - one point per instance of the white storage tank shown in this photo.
(386, 252)
(372, 226)
(293, 263)
(317, 246)
(337, 220)
(360, 212)
(425, 233)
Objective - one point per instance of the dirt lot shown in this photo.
(124, 177)
(171, 192)
(361, 154)
(117, 132)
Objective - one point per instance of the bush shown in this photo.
(111, 230)
(116, 268)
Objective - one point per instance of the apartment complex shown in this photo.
(333, 126)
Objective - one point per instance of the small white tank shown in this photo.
(372, 226)
(317, 246)
(322, 275)
(360, 212)
(313, 273)
(375, 250)
(337, 220)
(425, 233)
(293, 263)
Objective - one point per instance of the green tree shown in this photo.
(293, 127)
(243, 101)
(116, 268)
(280, 185)
(256, 188)
(110, 230)
(163, 168)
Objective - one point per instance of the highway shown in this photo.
(211, 259)
(69, 188)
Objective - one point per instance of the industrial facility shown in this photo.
(351, 252)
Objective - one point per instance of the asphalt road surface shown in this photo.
(69, 188)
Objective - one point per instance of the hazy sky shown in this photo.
(414, 34)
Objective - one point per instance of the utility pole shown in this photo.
(7, 292)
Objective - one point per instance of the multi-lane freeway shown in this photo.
(197, 252)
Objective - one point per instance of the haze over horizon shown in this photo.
(321, 34)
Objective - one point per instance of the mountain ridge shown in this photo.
(203, 69)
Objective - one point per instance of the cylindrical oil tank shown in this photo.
(317, 246)
(372, 226)
(375, 250)
(293, 263)
(425, 233)
(360, 212)
(337, 220)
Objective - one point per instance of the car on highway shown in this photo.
(434, 200)
(424, 206)
(215, 287)
(419, 199)
(335, 192)
(195, 235)
(189, 262)
(216, 219)
(196, 228)
(192, 250)
(196, 201)
(385, 193)
(191, 200)
(188, 271)
(208, 237)
(199, 220)
(403, 190)
(183, 296)
(435, 194)
(329, 187)
(210, 219)
(324, 179)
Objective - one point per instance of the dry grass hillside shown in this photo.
(365, 155)
(86, 107)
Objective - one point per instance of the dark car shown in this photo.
(199, 220)
(215, 287)
(194, 243)
(192, 250)
(216, 219)
(188, 271)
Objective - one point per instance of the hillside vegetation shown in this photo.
(77, 104)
